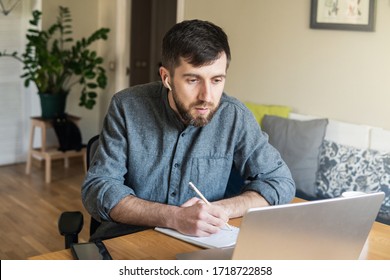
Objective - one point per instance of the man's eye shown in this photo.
(192, 81)
(218, 80)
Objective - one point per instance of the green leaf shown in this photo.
(90, 103)
(99, 60)
(102, 81)
(90, 75)
(33, 31)
(92, 85)
(92, 94)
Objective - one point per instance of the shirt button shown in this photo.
(176, 165)
(173, 194)
(183, 134)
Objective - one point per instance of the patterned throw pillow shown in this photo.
(344, 168)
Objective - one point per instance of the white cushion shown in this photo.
(300, 117)
(343, 133)
(348, 134)
(380, 139)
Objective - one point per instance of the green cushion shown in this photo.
(259, 110)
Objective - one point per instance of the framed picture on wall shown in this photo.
(357, 15)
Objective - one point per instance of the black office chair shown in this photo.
(71, 223)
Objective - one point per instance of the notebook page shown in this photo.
(224, 238)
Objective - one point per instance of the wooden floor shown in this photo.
(30, 208)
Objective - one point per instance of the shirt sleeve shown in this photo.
(262, 165)
(104, 186)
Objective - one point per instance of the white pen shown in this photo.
(195, 189)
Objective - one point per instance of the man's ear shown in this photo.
(167, 83)
(164, 74)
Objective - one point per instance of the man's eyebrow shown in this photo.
(193, 75)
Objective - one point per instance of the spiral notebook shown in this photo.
(224, 238)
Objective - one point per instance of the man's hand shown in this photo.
(195, 217)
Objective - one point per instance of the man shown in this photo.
(158, 137)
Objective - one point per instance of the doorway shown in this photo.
(150, 20)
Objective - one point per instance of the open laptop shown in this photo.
(329, 229)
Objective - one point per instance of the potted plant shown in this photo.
(55, 63)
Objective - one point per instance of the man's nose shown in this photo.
(205, 92)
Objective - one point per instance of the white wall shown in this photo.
(278, 59)
(17, 103)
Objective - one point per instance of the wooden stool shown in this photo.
(49, 154)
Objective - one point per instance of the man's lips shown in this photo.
(202, 110)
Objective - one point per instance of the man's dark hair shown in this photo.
(197, 42)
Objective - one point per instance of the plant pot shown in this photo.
(52, 105)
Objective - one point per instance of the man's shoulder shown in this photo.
(235, 111)
(149, 90)
(231, 103)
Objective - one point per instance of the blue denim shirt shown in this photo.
(146, 151)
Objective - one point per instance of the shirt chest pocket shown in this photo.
(211, 175)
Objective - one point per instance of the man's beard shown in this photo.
(188, 118)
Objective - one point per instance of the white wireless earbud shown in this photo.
(167, 84)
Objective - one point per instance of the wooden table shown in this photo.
(152, 245)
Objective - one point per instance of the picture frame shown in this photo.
(355, 15)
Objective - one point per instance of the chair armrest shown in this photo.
(70, 224)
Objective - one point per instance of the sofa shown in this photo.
(328, 157)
